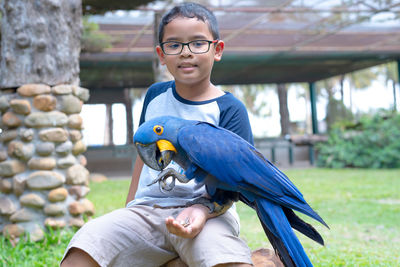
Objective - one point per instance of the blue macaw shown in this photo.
(231, 169)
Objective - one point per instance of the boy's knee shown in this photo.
(78, 258)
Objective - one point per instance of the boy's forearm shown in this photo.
(137, 169)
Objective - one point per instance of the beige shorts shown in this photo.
(137, 236)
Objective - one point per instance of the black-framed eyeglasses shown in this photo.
(196, 46)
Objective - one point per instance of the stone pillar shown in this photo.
(43, 179)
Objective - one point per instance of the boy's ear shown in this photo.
(160, 54)
(219, 48)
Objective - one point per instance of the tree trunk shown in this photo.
(161, 73)
(129, 116)
(351, 100)
(308, 122)
(394, 96)
(283, 109)
(342, 77)
(343, 107)
(40, 42)
(108, 132)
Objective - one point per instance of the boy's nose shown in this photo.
(185, 50)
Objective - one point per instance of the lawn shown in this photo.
(362, 208)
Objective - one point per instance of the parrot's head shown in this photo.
(156, 140)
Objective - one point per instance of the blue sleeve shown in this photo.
(234, 118)
(153, 91)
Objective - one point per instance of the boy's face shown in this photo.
(189, 68)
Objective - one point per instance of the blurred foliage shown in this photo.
(102, 6)
(336, 111)
(373, 142)
(92, 39)
(252, 97)
(390, 72)
(329, 88)
(362, 79)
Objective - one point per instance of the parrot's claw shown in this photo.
(212, 206)
(168, 184)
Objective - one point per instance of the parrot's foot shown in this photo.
(214, 207)
(169, 184)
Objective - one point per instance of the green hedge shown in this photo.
(93, 41)
(374, 142)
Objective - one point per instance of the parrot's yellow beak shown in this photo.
(166, 152)
(164, 145)
(156, 155)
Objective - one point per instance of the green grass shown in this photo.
(362, 208)
(106, 196)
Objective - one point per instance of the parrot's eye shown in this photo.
(158, 129)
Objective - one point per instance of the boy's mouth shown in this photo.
(187, 66)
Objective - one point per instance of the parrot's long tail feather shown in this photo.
(279, 247)
(303, 227)
(300, 204)
(281, 235)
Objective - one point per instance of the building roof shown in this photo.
(283, 41)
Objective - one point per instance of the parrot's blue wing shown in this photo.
(240, 166)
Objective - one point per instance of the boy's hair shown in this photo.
(189, 10)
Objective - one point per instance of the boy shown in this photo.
(145, 233)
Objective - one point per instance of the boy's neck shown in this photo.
(199, 92)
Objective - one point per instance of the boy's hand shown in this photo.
(189, 222)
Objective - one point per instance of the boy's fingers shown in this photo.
(175, 227)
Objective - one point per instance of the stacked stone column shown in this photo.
(43, 179)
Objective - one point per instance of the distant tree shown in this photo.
(283, 108)
(390, 73)
(335, 109)
(361, 80)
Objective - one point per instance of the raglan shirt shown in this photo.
(162, 100)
